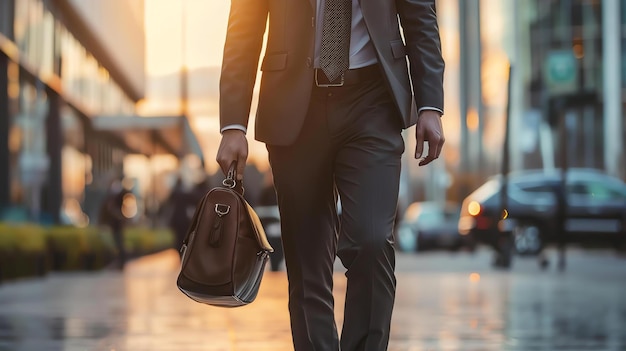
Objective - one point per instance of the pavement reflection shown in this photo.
(444, 302)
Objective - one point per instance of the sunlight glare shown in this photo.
(474, 277)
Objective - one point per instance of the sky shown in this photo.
(204, 32)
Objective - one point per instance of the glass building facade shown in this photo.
(51, 85)
(586, 103)
(568, 61)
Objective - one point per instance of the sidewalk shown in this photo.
(441, 307)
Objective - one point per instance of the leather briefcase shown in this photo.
(225, 251)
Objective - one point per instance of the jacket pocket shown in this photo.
(274, 62)
(398, 49)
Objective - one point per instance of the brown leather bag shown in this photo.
(225, 250)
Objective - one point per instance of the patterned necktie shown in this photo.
(335, 50)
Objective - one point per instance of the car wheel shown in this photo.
(527, 239)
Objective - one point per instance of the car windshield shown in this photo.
(591, 188)
(486, 190)
(430, 218)
(451, 214)
(597, 191)
(438, 216)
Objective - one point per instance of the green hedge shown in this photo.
(30, 250)
(72, 248)
(141, 241)
(22, 251)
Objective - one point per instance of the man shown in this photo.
(112, 216)
(335, 95)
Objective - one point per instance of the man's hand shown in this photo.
(233, 147)
(429, 129)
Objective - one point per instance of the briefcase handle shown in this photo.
(231, 179)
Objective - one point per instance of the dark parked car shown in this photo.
(595, 210)
(430, 225)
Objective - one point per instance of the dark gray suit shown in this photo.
(287, 65)
(325, 142)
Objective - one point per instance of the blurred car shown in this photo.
(595, 211)
(430, 225)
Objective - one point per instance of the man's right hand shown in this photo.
(233, 147)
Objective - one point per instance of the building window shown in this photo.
(623, 4)
(6, 18)
(27, 150)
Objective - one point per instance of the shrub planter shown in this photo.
(28, 250)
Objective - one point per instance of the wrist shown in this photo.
(438, 111)
(430, 113)
(233, 132)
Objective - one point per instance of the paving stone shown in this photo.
(444, 302)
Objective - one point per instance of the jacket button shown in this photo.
(309, 62)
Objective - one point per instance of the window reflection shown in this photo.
(624, 61)
(46, 48)
(73, 172)
(43, 41)
(6, 19)
(27, 148)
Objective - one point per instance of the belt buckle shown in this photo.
(328, 85)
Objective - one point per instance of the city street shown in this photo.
(445, 302)
(117, 117)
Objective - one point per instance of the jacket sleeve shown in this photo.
(421, 32)
(244, 38)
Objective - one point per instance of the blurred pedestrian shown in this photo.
(200, 189)
(111, 215)
(267, 210)
(255, 180)
(560, 196)
(335, 95)
(178, 204)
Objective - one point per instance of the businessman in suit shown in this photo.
(336, 92)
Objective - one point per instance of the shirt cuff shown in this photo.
(429, 108)
(234, 126)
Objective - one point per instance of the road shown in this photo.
(445, 302)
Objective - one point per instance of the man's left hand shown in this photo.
(429, 130)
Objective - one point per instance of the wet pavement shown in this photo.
(445, 302)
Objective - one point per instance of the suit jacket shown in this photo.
(287, 68)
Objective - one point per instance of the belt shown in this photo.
(349, 77)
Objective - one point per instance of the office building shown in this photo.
(64, 65)
(567, 89)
